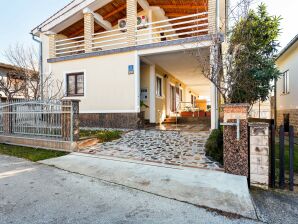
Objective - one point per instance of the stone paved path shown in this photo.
(167, 147)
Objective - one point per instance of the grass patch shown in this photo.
(287, 157)
(32, 154)
(101, 135)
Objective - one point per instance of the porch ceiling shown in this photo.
(116, 10)
(185, 67)
(176, 8)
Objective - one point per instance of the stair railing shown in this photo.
(179, 108)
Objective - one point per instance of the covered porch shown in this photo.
(174, 93)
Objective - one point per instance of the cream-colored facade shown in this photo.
(118, 65)
(286, 90)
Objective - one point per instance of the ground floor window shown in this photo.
(75, 84)
(158, 86)
(193, 100)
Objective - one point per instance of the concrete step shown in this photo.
(170, 120)
(206, 188)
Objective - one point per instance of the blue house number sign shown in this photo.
(131, 70)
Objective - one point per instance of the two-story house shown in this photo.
(116, 55)
(286, 90)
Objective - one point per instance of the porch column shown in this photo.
(152, 95)
(214, 106)
(212, 7)
(131, 21)
(214, 91)
(52, 45)
(88, 29)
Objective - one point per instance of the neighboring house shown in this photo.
(286, 86)
(12, 81)
(114, 54)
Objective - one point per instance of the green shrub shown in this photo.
(214, 145)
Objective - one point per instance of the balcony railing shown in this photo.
(154, 32)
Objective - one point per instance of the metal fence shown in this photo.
(42, 119)
(282, 158)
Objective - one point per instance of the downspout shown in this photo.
(40, 65)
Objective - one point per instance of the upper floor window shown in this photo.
(158, 86)
(75, 84)
(286, 82)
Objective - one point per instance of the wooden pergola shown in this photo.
(116, 10)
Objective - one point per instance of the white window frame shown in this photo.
(286, 82)
(161, 95)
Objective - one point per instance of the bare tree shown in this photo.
(215, 64)
(25, 60)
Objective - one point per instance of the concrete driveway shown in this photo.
(35, 193)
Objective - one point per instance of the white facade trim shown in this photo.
(152, 94)
(137, 83)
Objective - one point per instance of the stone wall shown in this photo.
(236, 151)
(259, 154)
(293, 118)
(112, 120)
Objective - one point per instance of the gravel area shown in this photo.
(276, 206)
(167, 147)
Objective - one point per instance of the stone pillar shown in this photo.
(52, 45)
(259, 154)
(236, 151)
(88, 29)
(212, 16)
(131, 12)
(70, 120)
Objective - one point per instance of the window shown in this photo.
(286, 82)
(181, 95)
(193, 100)
(75, 84)
(158, 86)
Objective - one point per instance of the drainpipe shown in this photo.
(40, 65)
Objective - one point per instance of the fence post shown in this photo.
(272, 157)
(7, 118)
(259, 154)
(281, 157)
(291, 157)
(70, 120)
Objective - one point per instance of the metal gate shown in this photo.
(282, 150)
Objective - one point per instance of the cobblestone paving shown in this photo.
(167, 147)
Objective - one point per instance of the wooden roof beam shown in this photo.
(187, 7)
(99, 19)
(144, 4)
(177, 14)
(115, 11)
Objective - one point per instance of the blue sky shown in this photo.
(18, 17)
